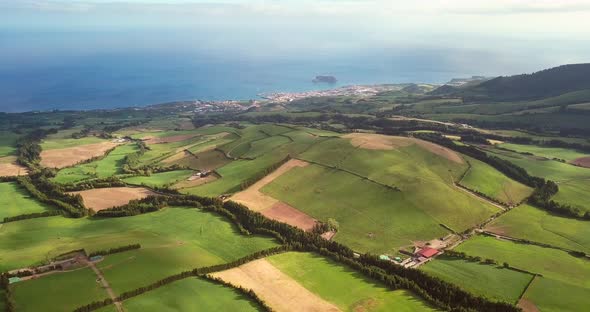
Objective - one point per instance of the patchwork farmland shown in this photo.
(254, 216)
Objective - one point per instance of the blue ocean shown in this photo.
(35, 77)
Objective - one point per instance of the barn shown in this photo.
(427, 252)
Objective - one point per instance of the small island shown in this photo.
(324, 79)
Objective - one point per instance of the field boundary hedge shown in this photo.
(48, 213)
(435, 291)
(391, 187)
(197, 272)
(114, 250)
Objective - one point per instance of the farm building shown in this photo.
(95, 258)
(13, 280)
(427, 252)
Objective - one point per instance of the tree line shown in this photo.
(197, 272)
(541, 197)
(439, 293)
(114, 250)
(543, 189)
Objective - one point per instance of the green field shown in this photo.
(486, 179)
(547, 152)
(236, 172)
(560, 270)
(108, 166)
(7, 143)
(372, 216)
(347, 289)
(573, 181)
(539, 225)
(423, 177)
(160, 179)
(206, 160)
(550, 295)
(538, 137)
(189, 233)
(191, 294)
(15, 200)
(58, 292)
(59, 143)
(491, 281)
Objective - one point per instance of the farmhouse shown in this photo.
(427, 252)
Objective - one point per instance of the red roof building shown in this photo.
(427, 252)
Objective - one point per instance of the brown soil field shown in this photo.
(385, 142)
(169, 139)
(582, 162)
(278, 290)
(527, 305)
(256, 200)
(64, 157)
(287, 214)
(9, 167)
(104, 198)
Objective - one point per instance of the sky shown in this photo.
(488, 36)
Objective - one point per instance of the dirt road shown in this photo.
(105, 285)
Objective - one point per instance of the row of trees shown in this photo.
(436, 291)
(541, 197)
(509, 169)
(46, 192)
(257, 177)
(197, 272)
(47, 213)
(544, 189)
(114, 250)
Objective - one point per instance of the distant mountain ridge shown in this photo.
(542, 84)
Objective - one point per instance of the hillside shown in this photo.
(542, 84)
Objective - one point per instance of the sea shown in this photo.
(39, 81)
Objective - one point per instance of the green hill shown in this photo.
(546, 83)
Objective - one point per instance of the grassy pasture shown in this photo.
(486, 179)
(489, 281)
(573, 181)
(58, 292)
(15, 200)
(550, 295)
(189, 232)
(547, 152)
(422, 176)
(236, 172)
(106, 167)
(538, 225)
(7, 143)
(538, 137)
(347, 289)
(160, 179)
(207, 160)
(551, 263)
(159, 152)
(264, 146)
(191, 294)
(59, 143)
(566, 279)
(372, 217)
